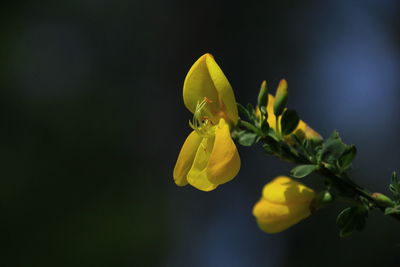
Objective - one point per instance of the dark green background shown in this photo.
(92, 120)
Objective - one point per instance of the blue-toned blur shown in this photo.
(92, 121)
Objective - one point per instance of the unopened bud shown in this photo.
(382, 199)
(262, 99)
(322, 199)
(281, 97)
(326, 197)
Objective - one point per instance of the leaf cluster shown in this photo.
(352, 219)
(394, 187)
(335, 155)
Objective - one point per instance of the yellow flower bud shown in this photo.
(284, 202)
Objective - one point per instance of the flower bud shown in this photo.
(382, 199)
(281, 97)
(284, 202)
(320, 200)
(262, 99)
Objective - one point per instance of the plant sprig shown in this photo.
(331, 158)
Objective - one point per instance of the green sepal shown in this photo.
(303, 170)
(289, 121)
(351, 219)
(264, 111)
(281, 97)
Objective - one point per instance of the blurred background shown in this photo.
(92, 120)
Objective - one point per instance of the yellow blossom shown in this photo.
(209, 156)
(284, 202)
(302, 130)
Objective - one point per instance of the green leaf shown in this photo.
(303, 170)
(332, 149)
(251, 111)
(243, 110)
(351, 219)
(289, 121)
(392, 210)
(347, 157)
(394, 187)
(247, 139)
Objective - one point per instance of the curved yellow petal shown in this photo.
(224, 162)
(284, 202)
(274, 218)
(197, 176)
(198, 84)
(283, 190)
(304, 130)
(226, 98)
(270, 110)
(186, 158)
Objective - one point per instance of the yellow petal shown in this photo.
(205, 79)
(270, 110)
(226, 98)
(224, 162)
(284, 202)
(198, 84)
(283, 190)
(274, 218)
(307, 131)
(186, 157)
(197, 175)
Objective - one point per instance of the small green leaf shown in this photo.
(394, 187)
(332, 149)
(243, 110)
(247, 139)
(392, 210)
(289, 121)
(303, 170)
(344, 221)
(347, 157)
(351, 219)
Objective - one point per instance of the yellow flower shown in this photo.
(209, 156)
(284, 202)
(302, 130)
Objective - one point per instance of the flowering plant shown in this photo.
(209, 157)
